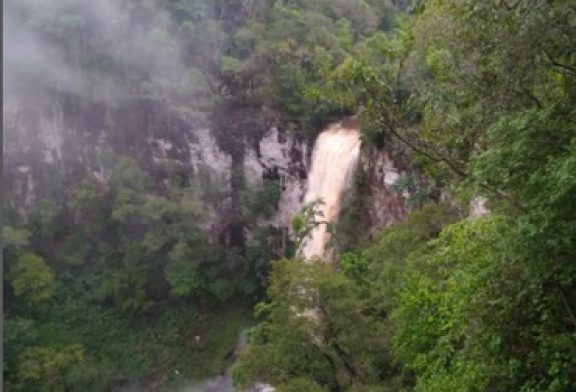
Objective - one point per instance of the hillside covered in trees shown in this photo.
(114, 276)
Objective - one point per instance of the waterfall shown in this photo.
(334, 160)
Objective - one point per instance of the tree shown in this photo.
(314, 332)
(468, 313)
(46, 367)
(32, 279)
(306, 221)
(438, 94)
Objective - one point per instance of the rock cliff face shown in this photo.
(60, 139)
(285, 158)
(383, 168)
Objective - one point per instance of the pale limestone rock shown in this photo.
(53, 133)
(478, 207)
(205, 154)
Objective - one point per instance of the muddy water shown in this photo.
(334, 161)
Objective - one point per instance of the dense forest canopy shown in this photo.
(482, 93)
(113, 280)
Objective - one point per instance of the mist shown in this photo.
(101, 50)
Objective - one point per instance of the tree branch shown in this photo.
(452, 166)
(555, 63)
(566, 303)
(427, 154)
(331, 340)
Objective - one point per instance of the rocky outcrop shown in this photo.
(61, 139)
(283, 158)
(383, 168)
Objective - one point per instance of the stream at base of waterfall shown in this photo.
(220, 383)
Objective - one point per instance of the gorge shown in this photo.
(45, 144)
(314, 195)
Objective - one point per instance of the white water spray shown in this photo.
(334, 161)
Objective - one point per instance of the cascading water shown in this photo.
(334, 160)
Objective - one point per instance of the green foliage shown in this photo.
(300, 384)
(380, 267)
(15, 241)
(116, 350)
(484, 100)
(144, 237)
(348, 232)
(440, 309)
(218, 335)
(305, 221)
(464, 316)
(194, 53)
(417, 192)
(470, 310)
(19, 333)
(314, 333)
(282, 57)
(43, 223)
(115, 255)
(440, 83)
(181, 273)
(261, 201)
(31, 278)
(119, 279)
(45, 367)
(265, 245)
(540, 143)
